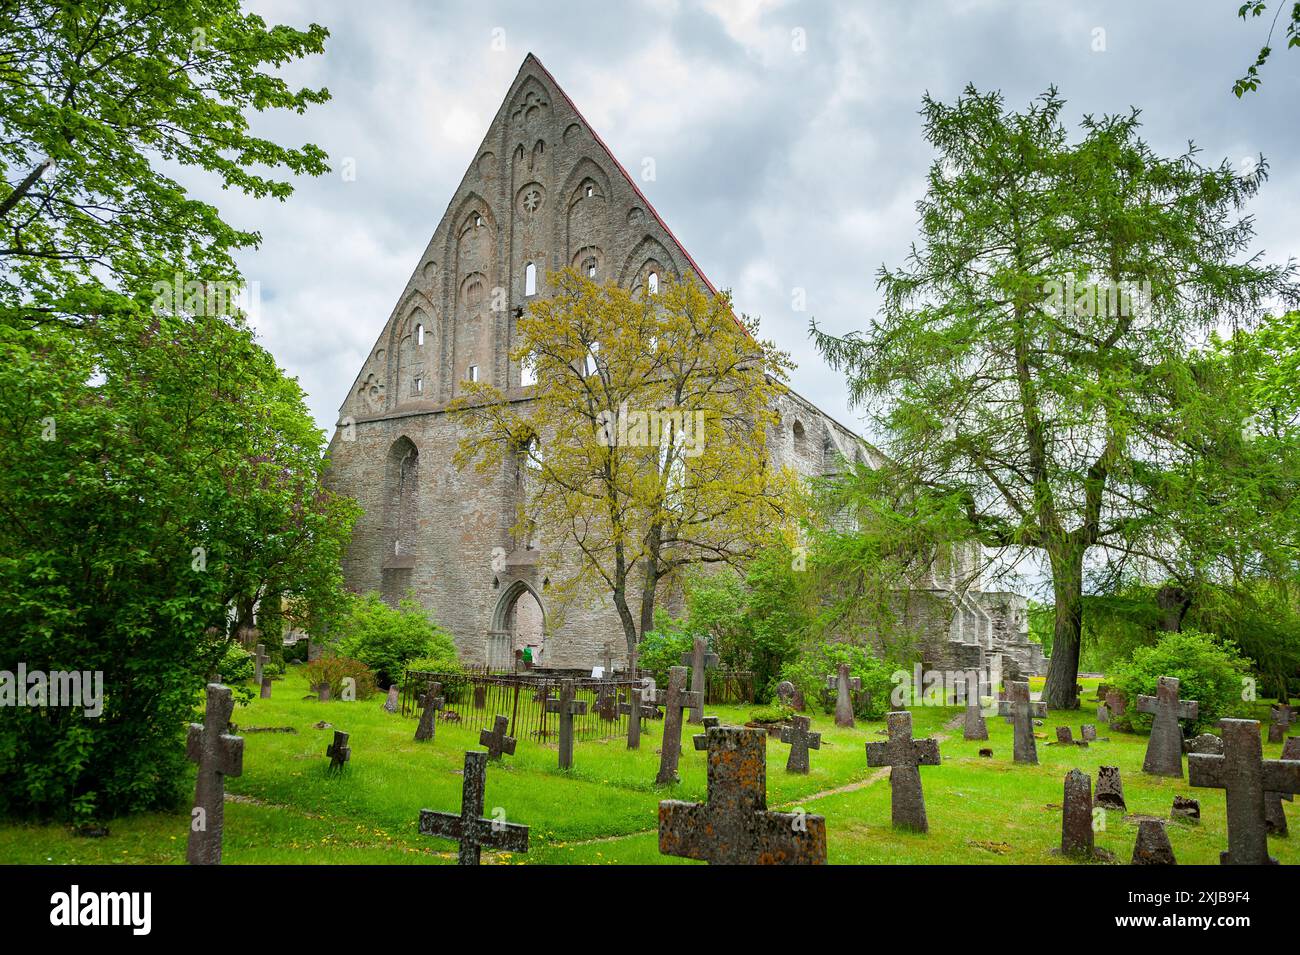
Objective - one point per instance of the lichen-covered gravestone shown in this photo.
(974, 726)
(1088, 733)
(338, 751)
(266, 688)
(567, 706)
(1274, 814)
(1110, 789)
(390, 704)
(1022, 712)
(801, 740)
(469, 828)
(1152, 845)
(430, 703)
(1245, 775)
(1165, 746)
(1186, 808)
(1076, 815)
(1064, 736)
(218, 755)
(674, 700)
(905, 755)
(496, 740)
(735, 827)
(842, 683)
(698, 658)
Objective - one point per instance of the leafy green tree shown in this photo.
(387, 638)
(1031, 355)
(1210, 670)
(1258, 8)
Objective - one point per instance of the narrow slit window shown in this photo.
(419, 386)
(473, 372)
(530, 279)
(652, 283)
(419, 334)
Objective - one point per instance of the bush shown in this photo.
(454, 679)
(809, 673)
(333, 669)
(385, 639)
(772, 713)
(1209, 669)
(663, 647)
(236, 665)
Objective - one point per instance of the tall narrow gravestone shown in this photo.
(496, 740)
(1022, 712)
(568, 707)
(266, 688)
(631, 708)
(218, 755)
(698, 658)
(905, 755)
(735, 827)
(339, 752)
(431, 702)
(674, 700)
(1245, 775)
(975, 726)
(259, 661)
(842, 683)
(469, 828)
(390, 703)
(1076, 815)
(1165, 747)
(1274, 814)
(801, 740)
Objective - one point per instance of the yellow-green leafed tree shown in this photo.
(644, 444)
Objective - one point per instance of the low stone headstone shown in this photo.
(1165, 746)
(1103, 713)
(699, 659)
(323, 692)
(431, 702)
(1152, 845)
(842, 684)
(1022, 711)
(974, 725)
(1186, 808)
(390, 704)
(674, 700)
(567, 706)
(785, 692)
(801, 739)
(266, 688)
(480, 696)
(339, 752)
(218, 755)
(1064, 736)
(1076, 815)
(1205, 743)
(1110, 789)
(496, 740)
(469, 828)
(1088, 733)
(905, 756)
(1283, 715)
(735, 827)
(1245, 775)
(1115, 703)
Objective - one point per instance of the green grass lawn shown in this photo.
(286, 809)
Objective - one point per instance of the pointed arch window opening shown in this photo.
(530, 278)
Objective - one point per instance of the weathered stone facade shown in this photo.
(542, 193)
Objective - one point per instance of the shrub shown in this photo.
(809, 673)
(772, 713)
(333, 669)
(452, 672)
(236, 665)
(1210, 671)
(386, 638)
(663, 647)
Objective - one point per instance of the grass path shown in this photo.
(286, 809)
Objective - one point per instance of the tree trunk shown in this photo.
(651, 585)
(625, 616)
(1173, 602)
(1060, 692)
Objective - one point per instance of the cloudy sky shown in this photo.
(785, 137)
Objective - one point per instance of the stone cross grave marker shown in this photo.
(698, 659)
(674, 700)
(1165, 746)
(259, 661)
(841, 683)
(905, 756)
(218, 755)
(469, 828)
(496, 740)
(608, 660)
(568, 706)
(631, 708)
(430, 702)
(1274, 814)
(1245, 775)
(1022, 712)
(735, 827)
(338, 751)
(801, 740)
(266, 688)
(1076, 815)
(1283, 716)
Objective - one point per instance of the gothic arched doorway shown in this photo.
(519, 621)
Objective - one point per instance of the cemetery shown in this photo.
(352, 784)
